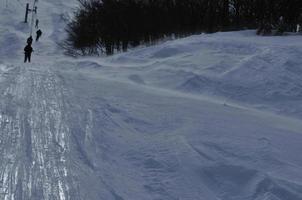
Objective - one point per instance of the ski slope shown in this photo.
(208, 117)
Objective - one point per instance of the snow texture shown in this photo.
(208, 117)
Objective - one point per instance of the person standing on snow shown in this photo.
(39, 33)
(299, 25)
(30, 40)
(27, 52)
(37, 23)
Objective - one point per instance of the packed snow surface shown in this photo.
(208, 117)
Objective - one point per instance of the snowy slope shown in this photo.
(208, 117)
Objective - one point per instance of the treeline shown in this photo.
(107, 26)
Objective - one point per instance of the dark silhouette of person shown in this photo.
(27, 52)
(30, 40)
(37, 23)
(39, 33)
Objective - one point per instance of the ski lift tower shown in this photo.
(28, 10)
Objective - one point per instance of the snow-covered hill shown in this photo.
(208, 117)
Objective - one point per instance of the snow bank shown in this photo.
(238, 67)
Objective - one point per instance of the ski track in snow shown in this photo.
(176, 121)
(34, 137)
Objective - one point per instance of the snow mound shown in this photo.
(238, 67)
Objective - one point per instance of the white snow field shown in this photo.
(208, 117)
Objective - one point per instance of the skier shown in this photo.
(39, 33)
(30, 40)
(37, 24)
(280, 26)
(27, 52)
(299, 24)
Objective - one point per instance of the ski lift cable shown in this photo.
(33, 14)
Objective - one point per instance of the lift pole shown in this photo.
(26, 12)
